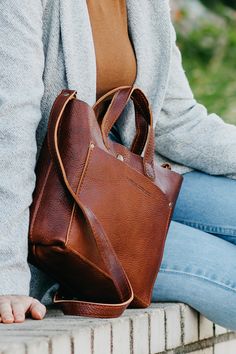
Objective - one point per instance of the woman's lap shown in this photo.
(199, 268)
(208, 203)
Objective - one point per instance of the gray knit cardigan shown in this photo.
(47, 45)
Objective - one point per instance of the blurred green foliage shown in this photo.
(209, 59)
(214, 4)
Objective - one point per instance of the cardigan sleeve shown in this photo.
(21, 90)
(186, 133)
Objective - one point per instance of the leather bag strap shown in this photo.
(121, 96)
(104, 246)
(144, 139)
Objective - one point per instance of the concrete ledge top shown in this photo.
(161, 328)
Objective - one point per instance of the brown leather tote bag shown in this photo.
(100, 211)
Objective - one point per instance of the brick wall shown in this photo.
(162, 328)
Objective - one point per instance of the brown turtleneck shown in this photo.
(115, 57)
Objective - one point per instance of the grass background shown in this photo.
(208, 46)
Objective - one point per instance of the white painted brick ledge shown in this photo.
(171, 328)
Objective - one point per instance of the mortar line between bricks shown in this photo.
(182, 325)
(111, 339)
(131, 337)
(50, 346)
(198, 325)
(203, 344)
(213, 348)
(72, 345)
(92, 340)
(214, 333)
(165, 326)
(149, 333)
(214, 329)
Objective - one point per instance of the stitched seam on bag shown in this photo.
(87, 306)
(163, 245)
(222, 285)
(48, 171)
(38, 205)
(79, 186)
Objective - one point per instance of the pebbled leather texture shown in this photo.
(100, 212)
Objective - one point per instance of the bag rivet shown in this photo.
(170, 204)
(66, 94)
(166, 165)
(120, 157)
(92, 146)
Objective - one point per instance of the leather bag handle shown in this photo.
(141, 124)
(104, 246)
(144, 138)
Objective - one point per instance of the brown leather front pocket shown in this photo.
(134, 213)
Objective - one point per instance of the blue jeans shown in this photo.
(199, 262)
